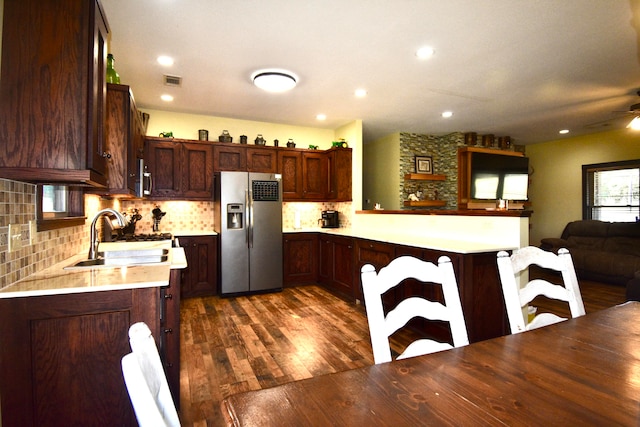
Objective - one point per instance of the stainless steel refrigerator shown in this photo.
(248, 219)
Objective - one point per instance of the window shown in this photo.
(59, 206)
(610, 191)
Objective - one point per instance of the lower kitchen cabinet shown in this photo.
(377, 254)
(300, 252)
(170, 333)
(336, 263)
(200, 278)
(60, 356)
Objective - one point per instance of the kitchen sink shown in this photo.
(122, 258)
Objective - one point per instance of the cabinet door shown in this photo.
(53, 92)
(197, 171)
(229, 158)
(200, 276)
(325, 254)
(61, 356)
(290, 166)
(300, 258)
(170, 333)
(163, 161)
(315, 184)
(262, 160)
(377, 254)
(343, 265)
(340, 174)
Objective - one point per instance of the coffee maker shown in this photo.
(330, 219)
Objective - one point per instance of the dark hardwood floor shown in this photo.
(231, 345)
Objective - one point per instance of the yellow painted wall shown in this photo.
(556, 183)
(186, 126)
(380, 173)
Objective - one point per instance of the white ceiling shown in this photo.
(520, 68)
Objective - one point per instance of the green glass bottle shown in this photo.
(112, 75)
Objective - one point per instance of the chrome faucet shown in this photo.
(93, 235)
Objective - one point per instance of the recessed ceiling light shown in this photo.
(361, 93)
(166, 97)
(447, 114)
(167, 61)
(425, 52)
(274, 80)
(564, 131)
(321, 117)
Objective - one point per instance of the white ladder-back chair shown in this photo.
(381, 327)
(516, 298)
(146, 381)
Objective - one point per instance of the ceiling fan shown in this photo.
(633, 110)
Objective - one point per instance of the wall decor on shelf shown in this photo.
(424, 164)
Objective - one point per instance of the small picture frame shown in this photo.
(424, 164)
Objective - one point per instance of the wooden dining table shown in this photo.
(583, 371)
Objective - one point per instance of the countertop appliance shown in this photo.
(330, 219)
(248, 219)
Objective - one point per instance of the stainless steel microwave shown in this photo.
(144, 181)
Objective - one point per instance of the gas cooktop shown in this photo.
(143, 237)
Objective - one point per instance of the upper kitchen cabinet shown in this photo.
(124, 140)
(339, 174)
(52, 92)
(242, 158)
(179, 169)
(315, 175)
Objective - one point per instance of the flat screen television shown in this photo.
(496, 176)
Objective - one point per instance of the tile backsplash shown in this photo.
(18, 206)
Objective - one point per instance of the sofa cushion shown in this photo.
(627, 229)
(588, 227)
(597, 265)
(622, 245)
(586, 242)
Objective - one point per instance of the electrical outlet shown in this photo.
(33, 229)
(14, 237)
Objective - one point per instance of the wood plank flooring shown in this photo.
(231, 345)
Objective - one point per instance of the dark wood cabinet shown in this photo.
(170, 332)
(262, 159)
(315, 175)
(52, 92)
(300, 251)
(340, 174)
(375, 253)
(197, 171)
(336, 267)
(162, 158)
(290, 166)
(60, 356)
(200, 278)
(179, 170)
(229, 157)
(124, 140)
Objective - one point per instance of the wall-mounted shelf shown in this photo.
(424, 177)
(425, 203)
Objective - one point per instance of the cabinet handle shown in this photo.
(169, 365)
(168, 296)
(106, 155)
(168, 331)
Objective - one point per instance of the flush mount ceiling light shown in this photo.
(425, 52)
(274, 80)
(447, 114)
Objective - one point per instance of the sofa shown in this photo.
(602, 251)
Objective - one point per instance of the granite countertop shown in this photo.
(55, 280)
(447, 245)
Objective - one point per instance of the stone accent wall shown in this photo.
(443, 150)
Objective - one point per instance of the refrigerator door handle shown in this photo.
(249, 204)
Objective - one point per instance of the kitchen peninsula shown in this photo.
(64, 332)
(333, 257)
